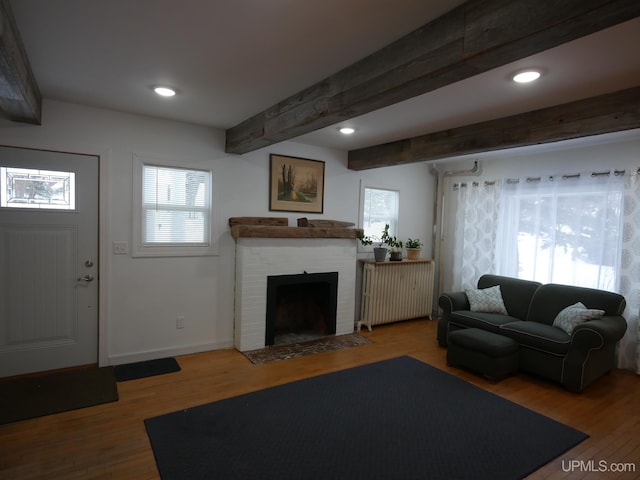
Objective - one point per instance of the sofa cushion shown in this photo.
(551, 298)
(486, 300)
(574, 315)
(490, 322)
(516, 293)
(539, 336)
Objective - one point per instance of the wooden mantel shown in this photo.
(276, 227)
(263, 231)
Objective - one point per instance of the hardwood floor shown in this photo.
(109, 441)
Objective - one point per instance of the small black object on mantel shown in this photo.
(303, 222)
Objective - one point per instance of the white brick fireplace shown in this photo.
(260, 257)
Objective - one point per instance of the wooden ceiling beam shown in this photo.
(612, 112)
(473, 38)
(20, 98)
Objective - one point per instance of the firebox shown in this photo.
(301, 307)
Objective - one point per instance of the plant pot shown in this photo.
(413, 253)
(396, 256)
(380, 254)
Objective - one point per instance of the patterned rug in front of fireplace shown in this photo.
(300, 349)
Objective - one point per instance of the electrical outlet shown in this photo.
(180, 322)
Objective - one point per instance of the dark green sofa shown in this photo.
(574, 360)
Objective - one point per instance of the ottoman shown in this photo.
(490, 354)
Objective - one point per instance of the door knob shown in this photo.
(86, 278)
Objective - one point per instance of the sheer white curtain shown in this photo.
(478, 204)
(562, 229)
(581, 229)
(629, 348)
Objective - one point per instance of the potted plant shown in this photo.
(384, 243)
(413, 248)
(379, 252)
(395, 245)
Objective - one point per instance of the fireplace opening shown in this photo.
(301, 307)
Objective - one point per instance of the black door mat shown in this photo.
(35, 396)
(148, 368)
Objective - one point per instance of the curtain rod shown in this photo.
(616, 173)
(511, 181)
(475, 184)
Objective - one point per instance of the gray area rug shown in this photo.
(394, 419)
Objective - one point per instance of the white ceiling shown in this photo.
(231, 59)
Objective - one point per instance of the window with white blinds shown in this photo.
(174, 216)
(378, 207)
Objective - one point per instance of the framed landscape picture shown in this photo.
(296, 184)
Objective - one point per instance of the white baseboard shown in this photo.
(168, 352)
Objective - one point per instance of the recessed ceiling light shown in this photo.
(526, 76)
(164, 91)
(347, 130)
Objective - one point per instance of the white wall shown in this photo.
(141, 297)
(617, 151)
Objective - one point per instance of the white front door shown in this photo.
(48, 260)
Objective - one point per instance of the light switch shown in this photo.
(120, 248)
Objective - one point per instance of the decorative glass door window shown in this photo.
(37, 189)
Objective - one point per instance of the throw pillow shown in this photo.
(572, 316)
(487, 300)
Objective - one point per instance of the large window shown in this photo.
(174, 215)
(379, 207)
(565, 230)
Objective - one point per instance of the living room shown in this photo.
(141, 298)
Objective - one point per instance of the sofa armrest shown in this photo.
(592, 350)
(602, 331)
(449, 302)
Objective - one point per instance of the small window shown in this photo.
(37, 189)
(379, 207)
(174, 216)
